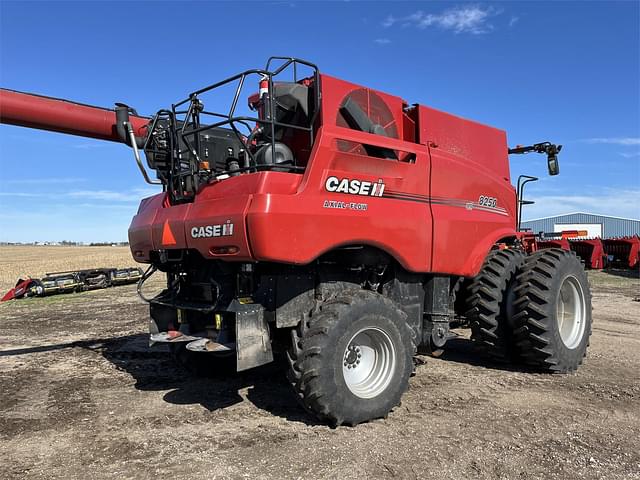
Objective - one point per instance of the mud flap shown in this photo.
(253, 343)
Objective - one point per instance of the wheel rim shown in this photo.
(368, 363)
(571, 312)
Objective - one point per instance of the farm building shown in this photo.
(603, 226)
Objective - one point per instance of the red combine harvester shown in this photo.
(339, 225)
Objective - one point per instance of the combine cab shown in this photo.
(343, 226)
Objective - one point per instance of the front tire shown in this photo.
(552, 311)
(351, 361)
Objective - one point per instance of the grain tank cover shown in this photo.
(464, 138)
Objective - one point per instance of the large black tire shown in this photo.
(488, 304)
(329, 343)
(549, 333)
(201, 364)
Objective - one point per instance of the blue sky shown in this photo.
(567, 72)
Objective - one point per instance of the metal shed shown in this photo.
(604, 226)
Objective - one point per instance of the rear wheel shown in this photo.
(552, 311)
(351, 361)
(489, 303)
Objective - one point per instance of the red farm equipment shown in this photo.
(623, 252)
(73, 281)
(591, 251)
(562, 243)
(337, 224)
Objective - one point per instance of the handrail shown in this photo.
(185, 124)
(519, 197)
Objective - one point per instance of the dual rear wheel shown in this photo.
(552, 311)
(532, 309)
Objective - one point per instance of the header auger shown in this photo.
(336, 223)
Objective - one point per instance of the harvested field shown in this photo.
(84, 397)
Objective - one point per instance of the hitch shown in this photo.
(552, 150)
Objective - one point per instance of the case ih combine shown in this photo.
(339, 225)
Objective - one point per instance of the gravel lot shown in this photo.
(82, 396)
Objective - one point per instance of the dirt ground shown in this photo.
(82, 396)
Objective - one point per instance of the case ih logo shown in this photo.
(209, 231)
(355, 187)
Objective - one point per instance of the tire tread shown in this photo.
(484, 307)
(533, 318)
(306, 358)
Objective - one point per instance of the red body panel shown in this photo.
(313, 229)
(216, 204)
(46, 113)
(475, 142)
(140, 228)
(468, 162)
(431, 216)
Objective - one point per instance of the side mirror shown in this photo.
(549, 148)
(552, 163)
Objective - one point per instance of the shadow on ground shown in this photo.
(154, 369)
(462, 350)
(624, 273)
